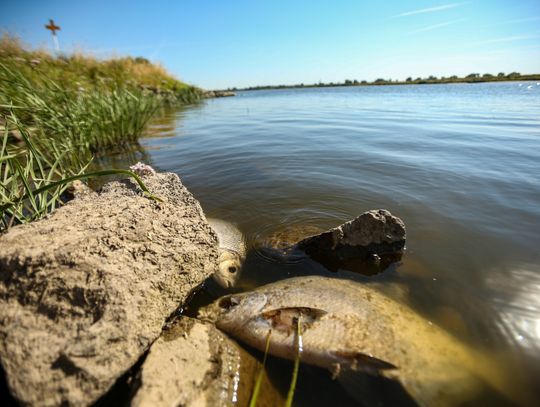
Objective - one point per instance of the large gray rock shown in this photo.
(371, 235)
(85, 292)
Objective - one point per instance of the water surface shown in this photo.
(459, 163)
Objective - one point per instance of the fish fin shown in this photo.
(370, 380)
(358, 361)
(374, 390)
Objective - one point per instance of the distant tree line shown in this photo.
(471, 78)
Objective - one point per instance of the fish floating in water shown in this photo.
(351, 327)
(232, 252)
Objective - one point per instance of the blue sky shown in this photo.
(220, 44)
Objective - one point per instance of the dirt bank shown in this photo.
(86, 291)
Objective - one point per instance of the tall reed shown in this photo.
(87, 120)
(65, 109)
(92, 104)
(34, 180)
(25, 167)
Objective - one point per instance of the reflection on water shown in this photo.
(516, 299)
(460, 164)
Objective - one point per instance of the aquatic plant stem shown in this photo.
(298, 343)
(257, 388)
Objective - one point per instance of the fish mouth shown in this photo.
(226, 281)
(215, 311)
(228, 302)
(238, 309)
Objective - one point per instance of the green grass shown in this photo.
(79, 70)
(91, 104)
(89, 121)
(65, 110)
(296, 367)
(25, 168)
(258, 381)
(294, 378)
(34, 176)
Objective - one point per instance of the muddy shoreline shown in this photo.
(86, 291)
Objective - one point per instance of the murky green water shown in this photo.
(460, 164)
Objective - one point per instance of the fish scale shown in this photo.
(232, 250)
(229, 236)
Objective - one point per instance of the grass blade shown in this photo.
(257, 388)
(298, 345)
(30, 194)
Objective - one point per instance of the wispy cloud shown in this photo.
(514, 21)
(429, 9)
(505, 39)
(435, 26)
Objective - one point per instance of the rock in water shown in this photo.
(348, 326)
(371, 235)
(85, 291)
(232, 252)
(282, 244)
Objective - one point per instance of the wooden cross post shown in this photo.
(53, 28)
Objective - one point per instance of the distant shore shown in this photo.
(472, 78)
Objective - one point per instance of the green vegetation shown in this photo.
(57, 112)
(258, 381)
(35, 176)
(24, 168)
(296, 367)
(88, 122)
(90, 103)
(294, 378)
(471, 78)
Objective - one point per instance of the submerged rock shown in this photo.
(282, 244)
(85, 292)
(368, 237)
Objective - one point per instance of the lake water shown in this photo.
(460, 164)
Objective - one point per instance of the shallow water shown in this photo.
(460, 164)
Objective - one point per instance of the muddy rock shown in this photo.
(218, 94)
(86, 291)
(195, 364)
(368, 237)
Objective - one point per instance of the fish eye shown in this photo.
(232, 270)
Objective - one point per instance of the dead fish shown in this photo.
(232, 252)
(351, 327)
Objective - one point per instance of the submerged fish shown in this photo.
(351, 327)
(232, 252)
